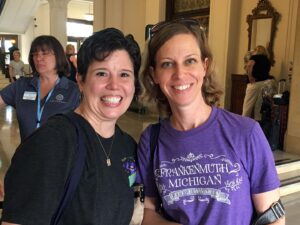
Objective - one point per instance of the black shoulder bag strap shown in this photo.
(272, 214)
(154, 133)
(75, 173)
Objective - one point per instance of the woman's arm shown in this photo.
(5, 223)
(263, 201)
(249, 71)
(151, 217)
(73, 59)
(2, 103)
(10, 71)
(38, 181)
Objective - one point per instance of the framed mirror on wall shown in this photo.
(262, 27)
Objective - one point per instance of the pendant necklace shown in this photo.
(108, 161)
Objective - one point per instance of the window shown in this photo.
(78, 30)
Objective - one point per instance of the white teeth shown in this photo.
(182, 87)
(112, 99)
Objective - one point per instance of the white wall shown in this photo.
(40, 23)
(77, 9)
(292, 141)
(26, 40)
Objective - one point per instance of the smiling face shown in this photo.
(108, 88)
(179, 71)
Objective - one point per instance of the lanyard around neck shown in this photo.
(39, 108)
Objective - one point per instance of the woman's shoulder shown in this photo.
(234, 121)
(54, 140)
(259, 57)
(24, 82)
(68, 84)
(58, 123)
(125, 136)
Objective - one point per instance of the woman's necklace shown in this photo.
(108, 161)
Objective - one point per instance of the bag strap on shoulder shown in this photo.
(154, 133)
(75, 173)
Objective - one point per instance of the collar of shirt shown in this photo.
(63, 83)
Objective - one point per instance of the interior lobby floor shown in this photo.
(133, 123)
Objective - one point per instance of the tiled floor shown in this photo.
(132, 123)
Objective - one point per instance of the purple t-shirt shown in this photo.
(207, 175)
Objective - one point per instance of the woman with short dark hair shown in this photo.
(108, 64)
(45, 94)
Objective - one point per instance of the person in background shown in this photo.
(45, 94)
(108, 64)
(2, 60)
(12, 49)
(258, 71)
(209, 166)
(71, 56)
(247, 57)
(16, 67)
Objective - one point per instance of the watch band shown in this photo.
(272, 214)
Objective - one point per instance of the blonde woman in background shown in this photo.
(72, 60)
(258, 69)
(16, 67)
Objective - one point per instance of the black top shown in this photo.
(35, 181)
(72, 75)
(261, 68)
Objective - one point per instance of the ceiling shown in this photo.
(17, 15)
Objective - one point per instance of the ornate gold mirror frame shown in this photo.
(262, 27)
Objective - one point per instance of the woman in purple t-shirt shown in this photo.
(209, 166)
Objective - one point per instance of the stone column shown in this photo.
(108, 13)
(99, 15)
(58, 19)
(114, 14)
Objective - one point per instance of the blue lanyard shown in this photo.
(39, 109)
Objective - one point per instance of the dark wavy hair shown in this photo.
(151, 91)
(49, 43)
(101, 44)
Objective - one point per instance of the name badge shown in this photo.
(29, 95)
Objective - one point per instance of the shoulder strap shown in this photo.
(154, 133)
(75, 173)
